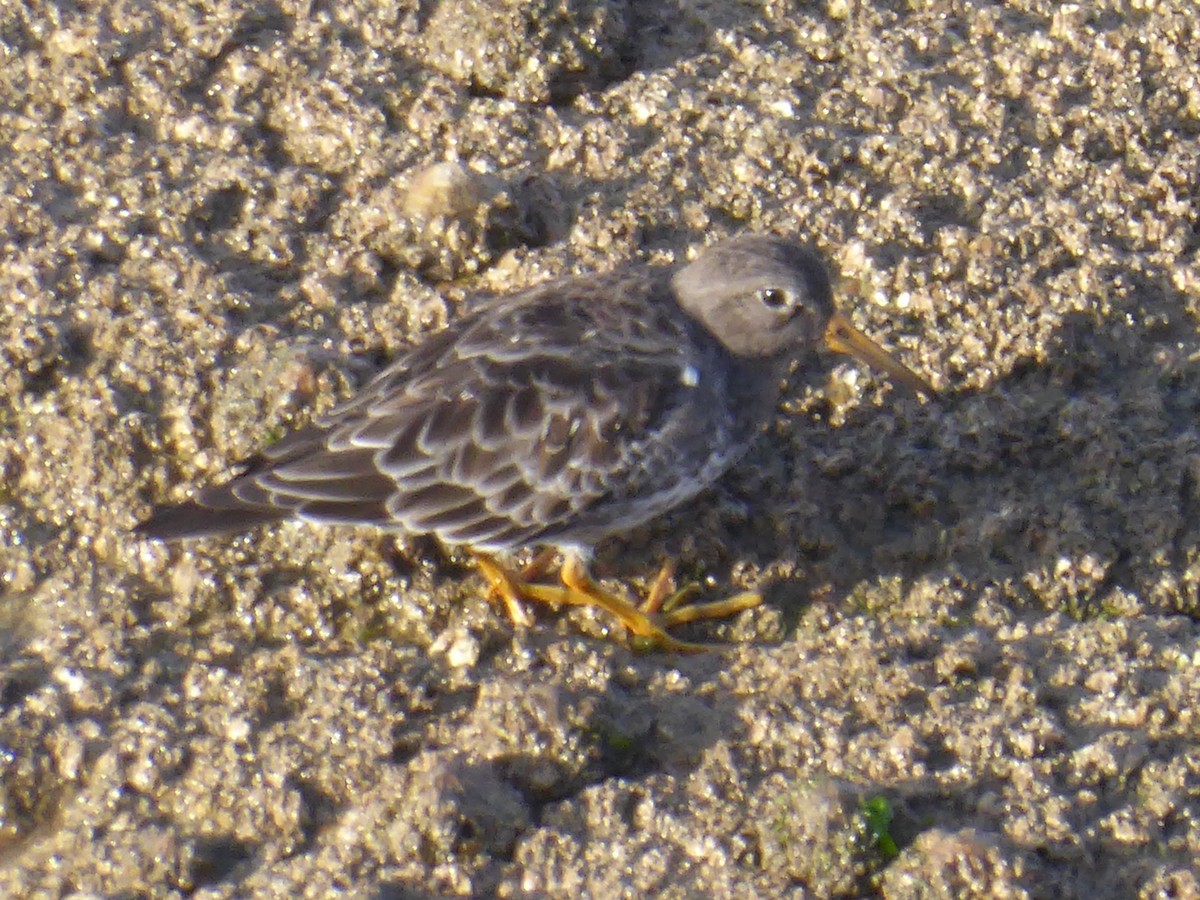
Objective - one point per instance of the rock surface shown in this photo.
(976, 673)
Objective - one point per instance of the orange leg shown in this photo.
(511, 588)
(663, 608)
(646, 623)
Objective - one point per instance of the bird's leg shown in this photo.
(510, 587)
(537, 566)
(646, 623)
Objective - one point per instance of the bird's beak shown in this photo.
(842, 337)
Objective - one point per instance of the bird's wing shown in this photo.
(490, 433)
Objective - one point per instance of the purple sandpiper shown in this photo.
(555, 418)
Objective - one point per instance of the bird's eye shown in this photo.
(774, 298)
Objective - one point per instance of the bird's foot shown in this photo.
(672, 607)
(648, 623)
(664, 608)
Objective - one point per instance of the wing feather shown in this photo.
(525, 421)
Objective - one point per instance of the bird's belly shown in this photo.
(614, 515)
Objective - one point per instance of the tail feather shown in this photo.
(191, 520)
(237, 505)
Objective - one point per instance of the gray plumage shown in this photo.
(557, 416)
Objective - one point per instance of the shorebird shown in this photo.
(557, 417)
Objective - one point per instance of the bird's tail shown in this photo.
(238, 505)
(193, 520)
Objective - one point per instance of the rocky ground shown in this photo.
(976, 672)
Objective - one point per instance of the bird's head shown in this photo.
(767, 297)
